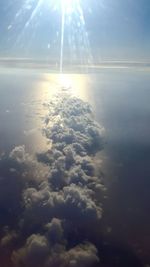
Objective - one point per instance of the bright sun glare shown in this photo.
(68, 5)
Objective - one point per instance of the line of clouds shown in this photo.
(58, 189)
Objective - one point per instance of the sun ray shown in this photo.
(71, 35)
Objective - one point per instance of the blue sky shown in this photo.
(113, 30)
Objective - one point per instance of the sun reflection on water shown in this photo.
(75, 84)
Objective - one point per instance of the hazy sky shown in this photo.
(113, 29)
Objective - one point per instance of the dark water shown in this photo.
(122, 106)
(120, 99)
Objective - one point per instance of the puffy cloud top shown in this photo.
(59, 190)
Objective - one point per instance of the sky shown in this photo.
(94, 30)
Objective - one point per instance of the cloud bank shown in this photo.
(55, 195)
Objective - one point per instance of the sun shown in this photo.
(67, 1)
(69, 5)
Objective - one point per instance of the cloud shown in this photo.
(37, 252)
(55, 231)
(8, 239)
(71, 122)
(33, 253)
(58, 188)
(79, 256)
(73, 203)
(83, 255)
(27, 165)
(18, 154)
(51, 249)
